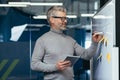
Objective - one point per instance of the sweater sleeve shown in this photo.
(86, 54)
(38, 54)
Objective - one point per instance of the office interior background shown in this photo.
(22, 22)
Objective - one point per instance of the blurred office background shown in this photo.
(22, 24)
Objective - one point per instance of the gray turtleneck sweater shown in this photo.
(55, 46)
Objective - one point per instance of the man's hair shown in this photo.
(52, 11)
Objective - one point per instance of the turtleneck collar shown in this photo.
(56, 31)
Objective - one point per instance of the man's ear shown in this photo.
(51, 20)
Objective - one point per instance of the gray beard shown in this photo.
(63, 28)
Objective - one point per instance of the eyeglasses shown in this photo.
(62, 18)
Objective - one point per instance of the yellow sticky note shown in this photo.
(108, 57)
(105, 41)
(102, 39)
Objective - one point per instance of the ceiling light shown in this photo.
(37, 4)
(87, 15)
(26, 3)
(45, 17)
(11, 5)
(40, 17)
(96, 5)
(46, 4)
(71, 16)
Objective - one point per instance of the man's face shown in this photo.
(59, 21)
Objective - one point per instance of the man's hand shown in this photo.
(96, 37)
(63, 65)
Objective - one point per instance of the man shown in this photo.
(54, 46)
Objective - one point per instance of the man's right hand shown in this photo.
(63, 65)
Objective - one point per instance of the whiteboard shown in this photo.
(105, 63)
